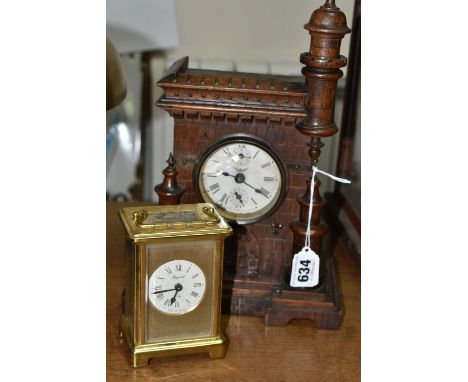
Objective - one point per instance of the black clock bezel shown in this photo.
(242, 138)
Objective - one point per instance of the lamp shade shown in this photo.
(116, 88)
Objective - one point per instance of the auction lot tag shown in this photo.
(305, 268)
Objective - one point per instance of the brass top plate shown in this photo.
(148, 222)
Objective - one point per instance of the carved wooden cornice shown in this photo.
(232, 96)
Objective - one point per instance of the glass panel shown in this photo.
(195, 323)
(130, 284)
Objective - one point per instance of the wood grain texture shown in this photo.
(292, 115)
(256, 352)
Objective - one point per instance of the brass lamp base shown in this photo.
(141, 354)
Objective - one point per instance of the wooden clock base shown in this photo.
(321, 305)
(280, 303)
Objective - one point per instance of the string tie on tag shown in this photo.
(306, 263)
(311, 201)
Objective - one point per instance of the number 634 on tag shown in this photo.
(305, 268)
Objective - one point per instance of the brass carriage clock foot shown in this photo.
(174, 258)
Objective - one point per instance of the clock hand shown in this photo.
(178, 288)
(239, 197)
(162, 291)
(260, 191)
(240, 156)
(252, 187)
(174, 298)
(240, 178)
(257, 190)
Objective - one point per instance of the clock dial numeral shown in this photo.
(244, 170)
(175, 293)
(264, 192)
(214, 188)
(223, 198)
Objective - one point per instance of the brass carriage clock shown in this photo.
(174, 258)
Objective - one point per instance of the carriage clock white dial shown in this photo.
(176, 287)
(243, 177)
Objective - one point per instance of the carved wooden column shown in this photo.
(169, 191)
(327, 27)
(322, 304)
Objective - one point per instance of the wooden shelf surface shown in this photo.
(256, 352)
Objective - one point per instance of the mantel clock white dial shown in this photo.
(243, 176)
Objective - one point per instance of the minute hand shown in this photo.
(261, 191)
(162, 291)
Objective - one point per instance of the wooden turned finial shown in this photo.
(169, 191)
(330, 4)
(171, 162)
(322, 63)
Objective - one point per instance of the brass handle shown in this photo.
(140, 216)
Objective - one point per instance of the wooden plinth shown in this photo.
(320, 304)
(280, 303)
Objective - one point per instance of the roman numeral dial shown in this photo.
(176, 287)
(244, 177)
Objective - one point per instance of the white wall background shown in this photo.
(263, 36)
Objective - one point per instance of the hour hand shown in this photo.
(178, 288)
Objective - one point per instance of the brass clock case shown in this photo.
(241, 218)
(186, 235)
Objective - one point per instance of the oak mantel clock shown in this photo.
(239, 139)
(173, 290)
